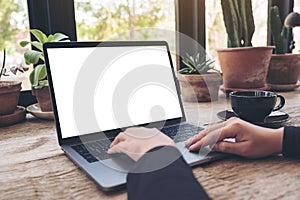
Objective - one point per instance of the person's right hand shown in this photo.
(251, 141)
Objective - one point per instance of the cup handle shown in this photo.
(281, 104)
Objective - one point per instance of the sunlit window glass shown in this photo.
(103, 20)
(216, 36)
(14, 25)
(126, 20)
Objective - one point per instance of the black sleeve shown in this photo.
(291, 142)
(162, 173)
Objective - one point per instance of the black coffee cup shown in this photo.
(255, 106)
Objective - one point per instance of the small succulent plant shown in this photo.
(14, 69)
(197, 65)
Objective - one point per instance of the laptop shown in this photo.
(98, 89)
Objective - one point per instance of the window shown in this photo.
(14, 28)
(216, 36)
(92, 18)
(47, 16)
(124, 19)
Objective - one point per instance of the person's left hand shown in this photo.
(136, 141)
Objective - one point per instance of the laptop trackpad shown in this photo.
(193, 157)
(119, 162)
(124, 163)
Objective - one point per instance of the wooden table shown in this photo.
(32, 166)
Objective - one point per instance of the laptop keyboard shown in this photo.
(97, 150)
(181, 132)
(93, 151)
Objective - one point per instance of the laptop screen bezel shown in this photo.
(115, 132)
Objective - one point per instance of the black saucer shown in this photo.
(274, 118)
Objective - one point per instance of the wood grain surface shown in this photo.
(32, 165)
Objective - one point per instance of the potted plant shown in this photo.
(243, 66)
(284, 69)
(9, 90)
(38, 77)
(199, 80)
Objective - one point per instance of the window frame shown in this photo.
(49, 16)
(59, 16)
(190, 21)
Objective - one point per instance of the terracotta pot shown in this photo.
(9, 96)
(284, 69)
(245, 67)
(43, 97)
(201, 88)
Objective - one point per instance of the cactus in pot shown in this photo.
(239, 22)
(243, 66)
(284, 68)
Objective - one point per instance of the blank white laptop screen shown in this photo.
(118, 86)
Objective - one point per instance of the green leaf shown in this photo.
(42, 72)
(36, 44)
(184, 71)
(39, 73)
(186, 63)
(32, 56)
(197, 59)
(50, 38)
(39, 35)
(24, 43)
(31, 78)
(58, 37)
(197, 64)
(191, 60)
(42, 57)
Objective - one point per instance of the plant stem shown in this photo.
(3, 64)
